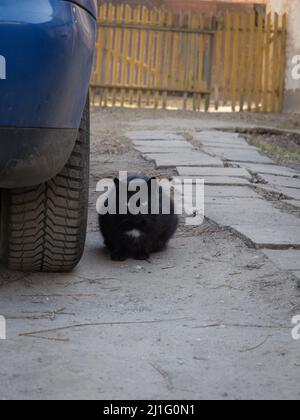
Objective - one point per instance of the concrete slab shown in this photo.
(183, 159)
(230, 192)
(296, 274)
(219, 180)
(242, 203)
(229, 145)
(285, 259)
(155, 150)
(164, 334)
(207, 172)
(292, 193)
(220, 137)
(282, 181)
(295, 203)
(259, 215)
(154, 135)
(271, 237)
(238, 155)
(267, 169)
(217, 134)
(164, 143)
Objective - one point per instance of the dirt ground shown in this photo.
(207, 319)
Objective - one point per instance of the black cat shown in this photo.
(137, 236)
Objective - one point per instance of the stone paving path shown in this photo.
(236, 176)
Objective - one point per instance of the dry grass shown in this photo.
(284, 148)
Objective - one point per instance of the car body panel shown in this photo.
(89, 5)
(48, 48)
(46, 56)
(32, 156)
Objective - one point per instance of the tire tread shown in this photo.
(46, 224)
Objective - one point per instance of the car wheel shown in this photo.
(44, 227)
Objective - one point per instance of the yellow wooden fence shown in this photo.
(153, 58)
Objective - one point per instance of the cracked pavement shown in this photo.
(210, 318)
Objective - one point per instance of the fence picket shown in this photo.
(282, 62)
(274, 66)
(243, 58)
(259, 64)
(267, 64)
(251, 63)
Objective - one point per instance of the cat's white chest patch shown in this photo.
(134, 233)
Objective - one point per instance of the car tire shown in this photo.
(44, 227)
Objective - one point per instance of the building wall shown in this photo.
(292, 8)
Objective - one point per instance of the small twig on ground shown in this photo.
(99, 324)
(219, 325)
(75, 296)
(41, 315)
(256, 347)
(90, 280)
(224, 286)
(61, 340)
(165, 375)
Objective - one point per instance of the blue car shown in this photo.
(46, 56)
